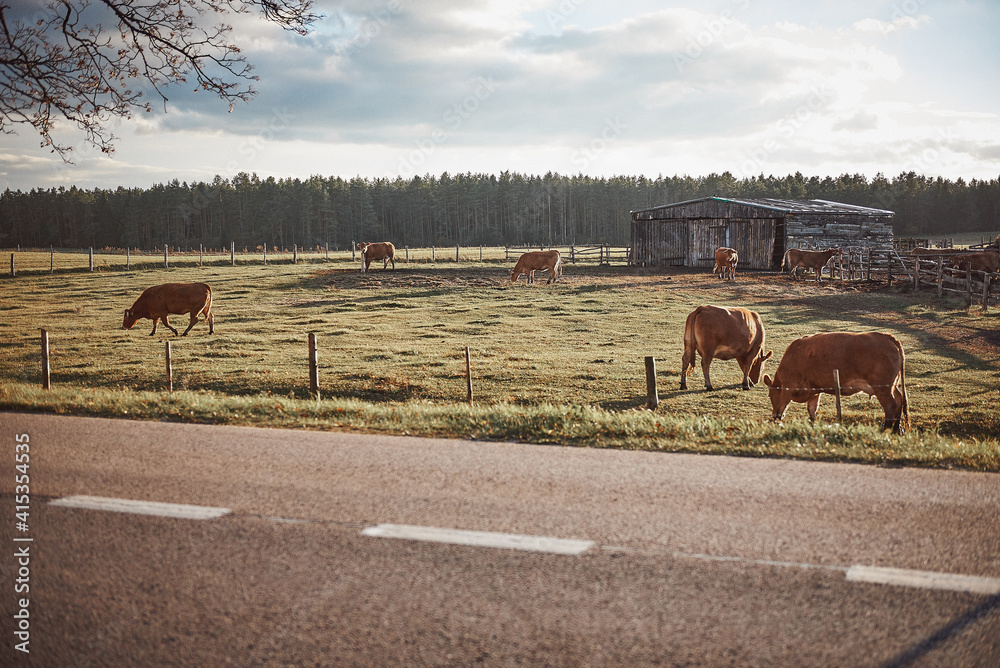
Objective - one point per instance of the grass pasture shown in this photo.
(556, 363)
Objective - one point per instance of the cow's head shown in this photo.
(757, 366)
(778, 405)
(130, 319)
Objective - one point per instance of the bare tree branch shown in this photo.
(66, 65)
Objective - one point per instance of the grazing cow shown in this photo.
(871, 362)
(716, 332)
(985, 261)
(159, 301)
(533, 261)
(384, 251)
(725, 263)
(807, 259)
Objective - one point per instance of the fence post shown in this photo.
(166, 258)
(201, 253)
(407, 254)
(313, 367)
(986, 290)
(456, 252)
(836, 393)
(295, 253)
(916, 274)
(353, 247)
(468, 373)
(888, 257)
(128, 259)
(968, 283)
(170, 368)
(480, 253)
(232, 253)
(11, 264)
(52, 259)
(265, 254)
(652, 399)
(91, 261)
(45, 360)
(433, 252)
(940, 276)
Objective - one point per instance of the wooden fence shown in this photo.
(602, 254)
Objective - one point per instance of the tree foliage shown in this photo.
(447, 210)
(87, 61)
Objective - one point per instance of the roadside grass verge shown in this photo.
(583, 426)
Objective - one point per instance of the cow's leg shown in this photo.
(813, 406)
(194, 321)
(745, 365)
(171, 327)
(211, 323)
(156, 321)
(893, 410)
(687, 362)
(706, 361)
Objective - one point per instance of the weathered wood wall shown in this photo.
(688, 234)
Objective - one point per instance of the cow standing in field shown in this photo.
(384, 251)
(717, 332)
(871, 362)
(159, 301)
(985, 261)
(725, 263)
(795, 258)
(533, 261)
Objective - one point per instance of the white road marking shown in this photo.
(924, 579)
(178, 510)
(872, 574)
(480, 539)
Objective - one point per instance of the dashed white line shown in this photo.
(178, 510)
(870, 574)
(481, 539)
(924, 579)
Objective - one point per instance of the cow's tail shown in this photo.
(784, 259)
(904, 412)
(690, 345)
(557, 268)
(207, 308)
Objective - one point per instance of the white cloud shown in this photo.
(885, 28)
(379, 88)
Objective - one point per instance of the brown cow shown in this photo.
(985, 261)
(533, 261)
(159, 301)
(384, 251)
(717, 332)
(725, 263)
(871, 362)
(916, 252)
(795, 258)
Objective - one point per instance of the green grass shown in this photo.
(556, 363)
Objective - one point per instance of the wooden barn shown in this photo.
(760, 230)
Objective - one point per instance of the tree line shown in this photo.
(447, 210)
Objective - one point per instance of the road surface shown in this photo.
(277, 547)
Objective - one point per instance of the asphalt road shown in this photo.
(688, 560)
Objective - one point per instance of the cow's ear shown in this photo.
(767, 356)
(128, 312)
(767, 380)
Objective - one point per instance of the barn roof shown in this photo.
(787, 206)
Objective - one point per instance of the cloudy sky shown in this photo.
(600, 87)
